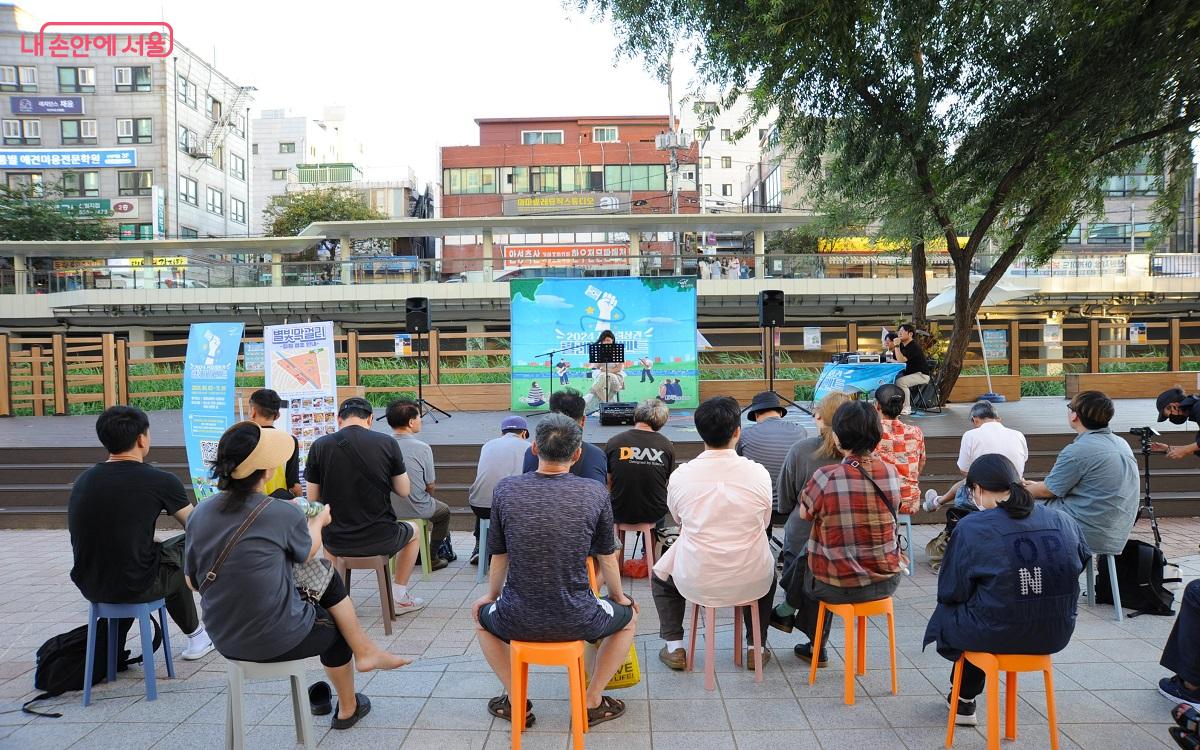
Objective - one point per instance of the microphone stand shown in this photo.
(553, 380)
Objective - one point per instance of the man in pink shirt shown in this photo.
(722, 503)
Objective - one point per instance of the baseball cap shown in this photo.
(514, 424)
(273, 449)
(355, 402)
(1166, 398)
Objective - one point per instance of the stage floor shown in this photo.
(1033, 416)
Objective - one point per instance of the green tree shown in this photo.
(31, 212)
(288, 214)
(996, 121)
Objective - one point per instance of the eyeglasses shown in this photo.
(1070, 408)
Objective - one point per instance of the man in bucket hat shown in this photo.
(1177, 406)
(770, 438)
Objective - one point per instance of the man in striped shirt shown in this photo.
(769, 439)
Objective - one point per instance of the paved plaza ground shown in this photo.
(1105, 680)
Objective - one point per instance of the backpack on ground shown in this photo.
(61, 661)
(1139, 579)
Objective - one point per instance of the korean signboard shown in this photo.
(565, 203)
(565, 256)
(88, 39)
(47, 105)
(59, 158)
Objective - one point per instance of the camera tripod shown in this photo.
(1146, 508)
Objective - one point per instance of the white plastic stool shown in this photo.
(906, 519)
(481, 574)
(242, 671)
(1112, 578)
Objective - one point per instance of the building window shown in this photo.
(188, 233)
(139, 182)
(144, 231)
(78, 132)
(217, 159)
(135, 130)
(287, 148)
(187, 140)
(24, 180)
(1075, 236)
(726, 162)
(77, 80)
(762, 134)
(237, 167)
(215, 201)
(604, 135)
(707, 162)
(477, 181)
(538, 137)
(701, 134)
(727, 189)
(22, 78)
(238, 125)
(543, 179)
(725, 134)
(278, 174)
(237, 210)
(81, 184)
(189, 191)
(22, 132)
(186, 92)
(212, 107)
(708, 189)
(132, 79)
(254, 149)
(1118, 233)
(623, 177)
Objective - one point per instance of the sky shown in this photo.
(412, 75)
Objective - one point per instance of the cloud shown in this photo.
(658, 321)
(552, 301)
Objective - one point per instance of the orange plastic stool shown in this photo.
(569, 655)
(852, 614)
(992, 665)
(647, 532)
(710, 639)
(593, 582)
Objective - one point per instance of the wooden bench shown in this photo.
(1130, 384)
(969, 388)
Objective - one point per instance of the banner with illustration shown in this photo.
(209, 370)
(654, 317)
(300, 367)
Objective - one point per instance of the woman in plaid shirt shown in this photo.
(852, 551)
(902, 446)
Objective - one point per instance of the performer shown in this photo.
(1177, 406)
(608, 377)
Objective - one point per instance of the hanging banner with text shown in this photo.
(209, 367)
(995, 344)
(654, 317)
(300, 367)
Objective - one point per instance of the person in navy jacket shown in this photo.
(1009, 583)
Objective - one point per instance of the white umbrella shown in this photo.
(943, 305)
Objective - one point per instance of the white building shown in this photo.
(724, 158)
(157, 143)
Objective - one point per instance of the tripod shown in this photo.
(769, 367)
(426, 406)
(1146, 509)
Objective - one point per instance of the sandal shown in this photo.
(502, 709)
(609, 708)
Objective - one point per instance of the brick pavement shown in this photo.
(1104, 680)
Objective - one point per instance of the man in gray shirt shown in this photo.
(770, 438)
(499, 457)
(1095, 479)
(404, 417)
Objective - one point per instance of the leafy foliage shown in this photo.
(30, 213)
(288, 214)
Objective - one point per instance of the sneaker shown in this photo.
(804, 651)
(786, 623)
(766, 657)
(906, 413)
(409, 605)
(198, 646)
(931, 501)
(965, 715)
(1173, 688)
(475, 557)
(676, 659)
(439, 563)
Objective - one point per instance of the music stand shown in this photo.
(606, 354)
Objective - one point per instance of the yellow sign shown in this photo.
(847, 245)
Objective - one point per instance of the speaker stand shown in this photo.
(427, 407)
(769, 366)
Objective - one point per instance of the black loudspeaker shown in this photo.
(416, 314)
(770, 308)
(617, 413)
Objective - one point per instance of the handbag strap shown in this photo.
(237, 535)
(357, 458)
(883, 495)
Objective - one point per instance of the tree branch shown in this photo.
(1179, 123)
(1032, 218)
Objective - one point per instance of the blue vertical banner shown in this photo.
(209, 393)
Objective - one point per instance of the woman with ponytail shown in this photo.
(241, 549)
(1009, 583)
(902, 446)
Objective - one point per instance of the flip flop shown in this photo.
(609, 709)
(362, 709)
(502, 709)
(320, 698)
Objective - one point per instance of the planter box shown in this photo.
(969, 388)
(1130, 384)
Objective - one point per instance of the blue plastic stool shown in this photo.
(113, 612)
(481, 574)
(906, 521)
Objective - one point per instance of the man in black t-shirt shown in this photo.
(355, 471)
(640, 462)
(111, 514)
(916, 365)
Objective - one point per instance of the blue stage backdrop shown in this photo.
(208, 396)
(654, 317)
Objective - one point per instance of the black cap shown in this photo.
(763, 402)
(356, 402)
(1166, 398)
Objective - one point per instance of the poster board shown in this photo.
(301, 368)
(209, 370)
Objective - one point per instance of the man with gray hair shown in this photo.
(545, 525)
(640, 462)
(988, 436)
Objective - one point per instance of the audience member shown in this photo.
(545, 524)
(907, 350)
(1095, 478)
(902, 445)
(852, 552)
(592, 464)
(1009, 582)
(1181, 655)
(265, 405)
(769, 439)
(404, 417)
(802, 460)
(241, 547)
(499, 457)
(111, 515)
(987, 436)
(722, 503)
(355, 471)
(640, 462)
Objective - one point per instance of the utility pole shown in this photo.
(674, 140)
(1132, 229)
